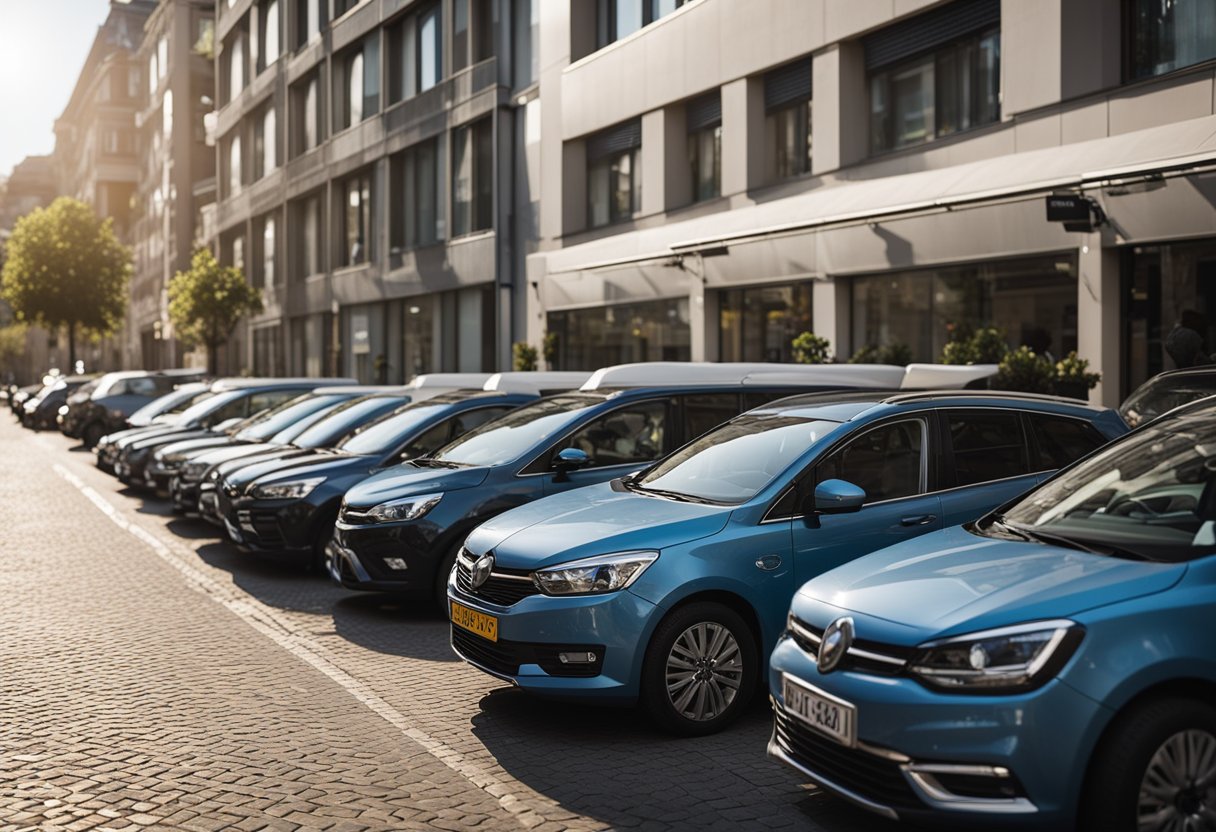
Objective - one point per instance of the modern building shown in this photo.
(95, 142)
(175, 66)
(718, 176)
(378, 163)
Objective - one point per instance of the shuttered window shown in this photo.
(926, 32)
(622, 137)
(787, 84)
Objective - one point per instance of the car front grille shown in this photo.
(872, 657)
(869, 775)
(259, 528)
(504, 587)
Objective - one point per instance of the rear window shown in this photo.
(987, 445)
(1060, 441)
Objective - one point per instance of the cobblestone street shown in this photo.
(154, 677)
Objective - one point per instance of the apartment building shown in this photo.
(174, 70)
(377, 168)
(721, 175)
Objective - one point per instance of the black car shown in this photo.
(163, 412)
(41, 412)
(234, 400)
(115, 397)
(1165, 391)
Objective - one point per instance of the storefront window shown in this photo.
(758, 323)
(1033, 300)
(1164, 35)
(418, 328)
(591, 338)
(1165, 286)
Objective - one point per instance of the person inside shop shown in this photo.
(1185, 343)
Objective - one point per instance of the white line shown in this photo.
(267, 621)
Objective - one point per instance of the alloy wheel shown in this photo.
(704, 671)
(1178, 790)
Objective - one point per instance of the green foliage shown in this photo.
(64, 267)
(809, 348)
(1071, 370)
(897, 354)
(12, 340)
(548, 348)
(1024, 371)
(524, 356)
(985, 345)
(206, 302)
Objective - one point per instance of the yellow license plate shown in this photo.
(475, 622)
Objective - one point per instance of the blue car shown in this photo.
(1049, 666)
(667, 587)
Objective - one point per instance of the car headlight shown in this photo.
(1009, 659)
(63, 410)
(295, 490)
(593, 576)
(407, 508)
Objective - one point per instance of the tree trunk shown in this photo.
(71, 348)
(213, 358)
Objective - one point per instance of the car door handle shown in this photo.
(917, 519)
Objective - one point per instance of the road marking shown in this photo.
(267, 621)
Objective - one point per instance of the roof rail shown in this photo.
(535, 382)
(240, 383)
(452, 381)
(923, 395)
(367, 389)
(927, 376)
(665, 373)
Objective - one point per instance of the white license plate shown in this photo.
(821, 711)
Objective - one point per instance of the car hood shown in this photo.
(405, 480)
(168, 437)
(129, 437)
(202, 443)
(953, 581)
(214, 456)
(595, 520)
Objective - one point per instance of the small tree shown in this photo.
(897, 354)
(809, 348)
(206, 302)
(65, 268)
(524, 356)
(1026, 372)
(986, 345)
(548, 349)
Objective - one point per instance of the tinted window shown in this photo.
(383, 435)
(430, 441)
(630, 434)
(271, 398)
(345, 420)
(515, 434)
(142, 386)
(704, 413)
(886, 462)
(1060, 441)
(988, 445)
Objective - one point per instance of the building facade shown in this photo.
(174, 66)
(377, 170)
(719, 176)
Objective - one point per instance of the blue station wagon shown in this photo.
(669, 585)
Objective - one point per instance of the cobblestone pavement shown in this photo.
(153, 677)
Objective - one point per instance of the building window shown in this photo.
(103, 88)
(269, 20)
(472, 32)
(236, 67)
(787, 104)
(357, 227)
(415, 52)
(525, 19)
(268, 275)
(614, 174)
(1165, 35)
(933, 75)
(472, 178)
(153, 76)
(416, 208)
(308, 20)
(361, 83)
(166, 114)
(265, 144)
(758, 323)
(354, 92)
(309, 239)
(429, 49)
(703, 117)
(341, 7)
(605, 335)
(419, 331)
(162, 57)
(616, 19)
(306, 115)
(1033, 300)
(132, 82)
(234, 164)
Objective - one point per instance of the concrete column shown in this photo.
(654, 165)
(677, 175)
(1099, 329)
(743, 136)
(697, 323)
(573, 191)
(830, 314)
(839, 128)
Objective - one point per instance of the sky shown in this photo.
(43, 44)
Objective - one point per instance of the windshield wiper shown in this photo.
(1092, 547)
(431, 462)
(674, 495)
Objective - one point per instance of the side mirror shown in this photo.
(567, 460)
(838, 497)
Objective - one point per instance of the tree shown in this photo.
(65, 268)
(206, 302)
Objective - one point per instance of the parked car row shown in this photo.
(969, 607)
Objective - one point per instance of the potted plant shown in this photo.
(1072, 377)
(1024, 371)
(896, 354)
(809, 348)
(524, 356)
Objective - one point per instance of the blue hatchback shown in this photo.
(668, 586)
(1051, 665)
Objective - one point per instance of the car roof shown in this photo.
(691, 373)
(225, 384)
(844, 407)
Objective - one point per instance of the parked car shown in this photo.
(163, 412)
(41, 410)
(400, 530)
(1165, 391)
(289, 507)
(20, 396)
(667, 587)
(234, 400)
(115, 397)
(1049, 666)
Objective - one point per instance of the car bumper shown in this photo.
(184, 495)
(267, 526)
(361, 557)
(911, 741)
(534, 632)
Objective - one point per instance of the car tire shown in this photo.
(324, 534)
(92, 434)
(715, 651)
(440, 597)
(1142, 748)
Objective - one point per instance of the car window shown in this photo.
(517, 433)
(1060, 441)
(887, 462)
(442, 433)
(237, 408)
(271, 398)
(633, 433)
(988, 445)
(705, 412)
(119, 388)
(142, 386)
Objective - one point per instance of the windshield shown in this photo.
(387, 432)
(1161, 395)
(735, 461)
(509, 437)
(205, 408)
(343, 421)
(1150, 496)
(174, 402)
(84, 391)
(300, 409)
